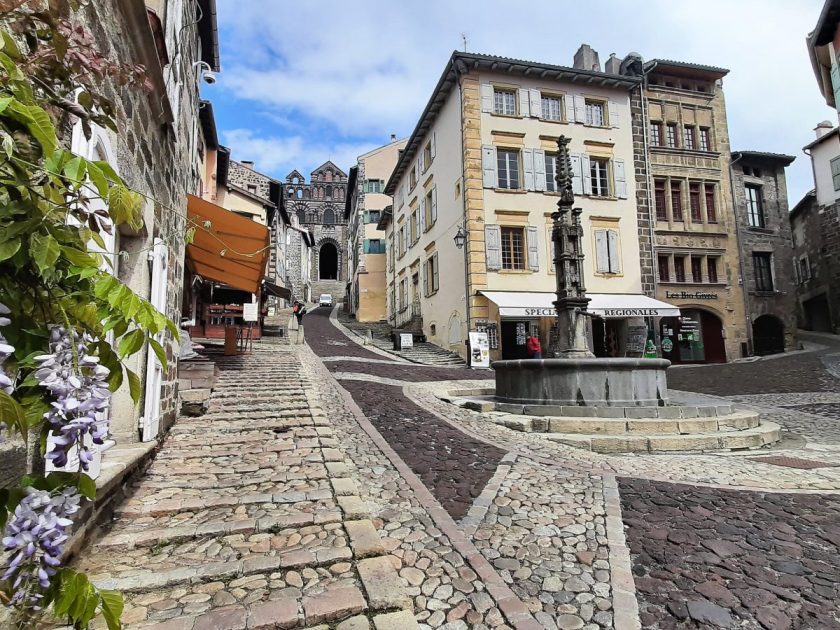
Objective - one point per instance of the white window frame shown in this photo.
(508, 170)
(500, 105)
(599, 187)
(591, 104)
(545, 106)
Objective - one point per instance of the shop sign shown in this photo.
(540, 312)
(479, 349)
(667, 345)
(685, 295)
(627, 312)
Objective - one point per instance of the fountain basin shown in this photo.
(582, 382)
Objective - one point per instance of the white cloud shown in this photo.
(369, 71)
(278, 156)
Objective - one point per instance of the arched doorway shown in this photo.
(328, 262)
(696, 336)
(768, 335)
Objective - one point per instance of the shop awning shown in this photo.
(274, 289)
(233, 250)
(606, 305)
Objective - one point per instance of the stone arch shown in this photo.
(329, 216)
(299, 210)
(329, 259)
(768, 335)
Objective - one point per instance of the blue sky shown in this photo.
(303, 82)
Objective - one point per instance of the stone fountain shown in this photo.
(572, 375)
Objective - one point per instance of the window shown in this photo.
(663, 263)
(671, 136)
(711, 210)
(835, 172)
(412, 177)
(373, 216)
(660, 200)
(504, 102)
(552, 108)
(694, 202)
(696, 269)
(374, 246)
(688, 138)
(551, 172)
(413, 226)
(763, 271)
(756, 172)
(755, 207)
(374, 186)
(329, 192)
(711, 266)
(595, 114)
(513, 245)
(804, 269)
(329, 216)
(679, 268)
(252, 188)
(431, 277)
(402, 241)
(430, 215)
(508, 167)
(607, 256)
(676, 201)
(656, 134)
(705, 139)
(427, 155)
(599, 176)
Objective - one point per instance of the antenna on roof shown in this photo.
(464, 39)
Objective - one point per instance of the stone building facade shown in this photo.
(695, 229)
(764, 234)
(319, 208)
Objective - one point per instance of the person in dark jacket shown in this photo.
(298, 309)
(532, 345)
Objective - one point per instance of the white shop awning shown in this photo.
(607, 305)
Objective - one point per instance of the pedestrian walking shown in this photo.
(298, 309)
(532, 345)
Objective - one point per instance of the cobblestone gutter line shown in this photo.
(469, 524)
(625, 606)
(510, 605)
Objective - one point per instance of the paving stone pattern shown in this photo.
(248, 517)
(712, 558)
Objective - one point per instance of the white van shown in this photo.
(325, 300)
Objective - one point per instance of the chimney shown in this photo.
(393, 137)
(613, 65)
(587, 59)
(823, 128)
(249, 164)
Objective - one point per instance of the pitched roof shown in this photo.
(823, 32)
(766, 156)
(821, 139)
(462, 63)
(329, 164)
(807, 201)
(687, 67)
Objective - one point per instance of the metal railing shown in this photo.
(408, 313)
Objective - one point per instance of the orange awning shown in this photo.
(245, 244)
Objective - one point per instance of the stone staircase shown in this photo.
(423, 352)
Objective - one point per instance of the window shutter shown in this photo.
(612, 112)
(488, 165)
(550, 239)
(586, 171)
(493, 246)
(528, 168)
(536, 103)
(434, 205)
(421, 162)
(435, 273)
(486, 97)
(615, 257)
(533, 249)
(524, 109)
(580, 109)
(425, 280)
(539, 169)
(602, 260)
(577, 179)
(569, 101)
(434, 147)
(620, 179)
(421, 217)
(796, 277)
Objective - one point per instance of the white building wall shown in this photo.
(821, 156)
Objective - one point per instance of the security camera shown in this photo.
(209, 77)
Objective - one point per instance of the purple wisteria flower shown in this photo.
(79, 384)
(34, 540)
(6, 384)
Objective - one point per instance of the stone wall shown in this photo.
(774, 238)
(643, 203)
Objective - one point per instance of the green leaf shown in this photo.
(134, 386)
(125, 206)
(12, 414)
(87, 486)
(112, 608)
(9, 46)
(7, 143)
(44, 250)
(4, 102)
(159, 351)
(37, 121)
(75, 169)
(108, 171)
(9, 248)
(97, 178)
(79, 258)
(131, 342)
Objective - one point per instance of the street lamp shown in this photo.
(460, 237)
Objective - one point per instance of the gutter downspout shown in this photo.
(466, 228)
(741, 278)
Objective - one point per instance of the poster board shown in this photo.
(250, 312)
(636, 340)
(406, 340)
(479, 349)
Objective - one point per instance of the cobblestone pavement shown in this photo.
(249, 517)
(717, 558)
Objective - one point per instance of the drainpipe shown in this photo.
(466, 227)
(742, 279)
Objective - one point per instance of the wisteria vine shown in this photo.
(6, 350)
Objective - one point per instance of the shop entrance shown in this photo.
(768, 335)
(607, 337)
(817, 314)
(694, 337)
(514, 334)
